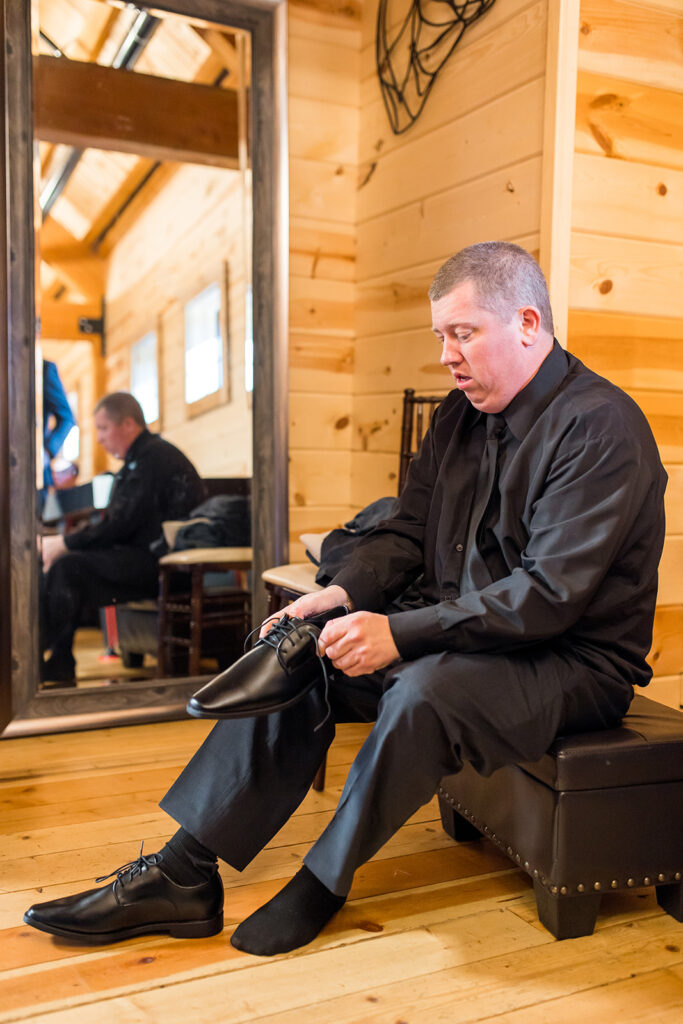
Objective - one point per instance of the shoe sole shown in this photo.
(176, 929)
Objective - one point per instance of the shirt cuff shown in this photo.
(362, 587)
(416, 632)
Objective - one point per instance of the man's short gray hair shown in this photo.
(119, 405)
(506, 277)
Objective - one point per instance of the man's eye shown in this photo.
(463, 335)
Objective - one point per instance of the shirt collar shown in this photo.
(525, 408)
(137, 445)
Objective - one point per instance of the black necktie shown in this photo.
(475, 575)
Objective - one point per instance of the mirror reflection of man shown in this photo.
(532, 521)
(110, 561)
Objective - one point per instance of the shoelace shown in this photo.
(133, 867)
(275, 637)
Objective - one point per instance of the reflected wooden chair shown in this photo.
(186, 614)
(203, 607)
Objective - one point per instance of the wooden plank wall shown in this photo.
(323, 57)
(188, 235)
(626, 301)
(468, 170)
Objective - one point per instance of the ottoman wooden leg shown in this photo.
(567, 917)
(454, 825)
(670, 898)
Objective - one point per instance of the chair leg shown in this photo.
(163, 660)
(454, 825)
(319, 780)
(670, 899)
(196, 610)
(567, 917)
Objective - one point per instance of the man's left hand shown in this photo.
(359, 643)
(53, 548)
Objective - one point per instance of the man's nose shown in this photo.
(450, 352)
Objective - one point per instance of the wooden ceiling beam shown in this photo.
(87, 105)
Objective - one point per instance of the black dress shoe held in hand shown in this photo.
(277, 672)
(141, 900)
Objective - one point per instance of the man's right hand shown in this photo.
(310, 604)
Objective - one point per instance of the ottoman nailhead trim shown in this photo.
(552, 888)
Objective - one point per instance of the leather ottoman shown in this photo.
(601, 811)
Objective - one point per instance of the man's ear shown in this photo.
(529, 324)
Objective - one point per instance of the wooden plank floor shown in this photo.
(433, 932)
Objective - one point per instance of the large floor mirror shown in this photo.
(146, 165)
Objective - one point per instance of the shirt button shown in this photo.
(458, 547)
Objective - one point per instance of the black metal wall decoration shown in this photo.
(408, 63)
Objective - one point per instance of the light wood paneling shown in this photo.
(464, 150)
(629, 121)
(666, 690)
(632, 351)
(627, 40)
(323, 85)
(502, 204)
(398, 302)
(666, 655)
(320, 421)
(625, 276)
(502, 51)
(671, 571)
(404, 359)
(320, 364)
(631, 200)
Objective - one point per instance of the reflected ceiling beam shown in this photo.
(62, 321)
(79, 269)
(76, 266)
(87, 105)
(224, 49)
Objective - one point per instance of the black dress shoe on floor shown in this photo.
(276, 673)
(141, 900)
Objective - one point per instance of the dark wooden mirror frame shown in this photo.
(27, 709)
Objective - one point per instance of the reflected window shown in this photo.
(144, 375)
(203, 345)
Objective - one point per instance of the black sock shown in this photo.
(186, 861)
(291, 919)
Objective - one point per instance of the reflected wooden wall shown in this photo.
(188, 235)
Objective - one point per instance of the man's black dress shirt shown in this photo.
(156, 482)
(570, 540)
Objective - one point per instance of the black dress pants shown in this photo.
(430, 716)
(90, 578)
